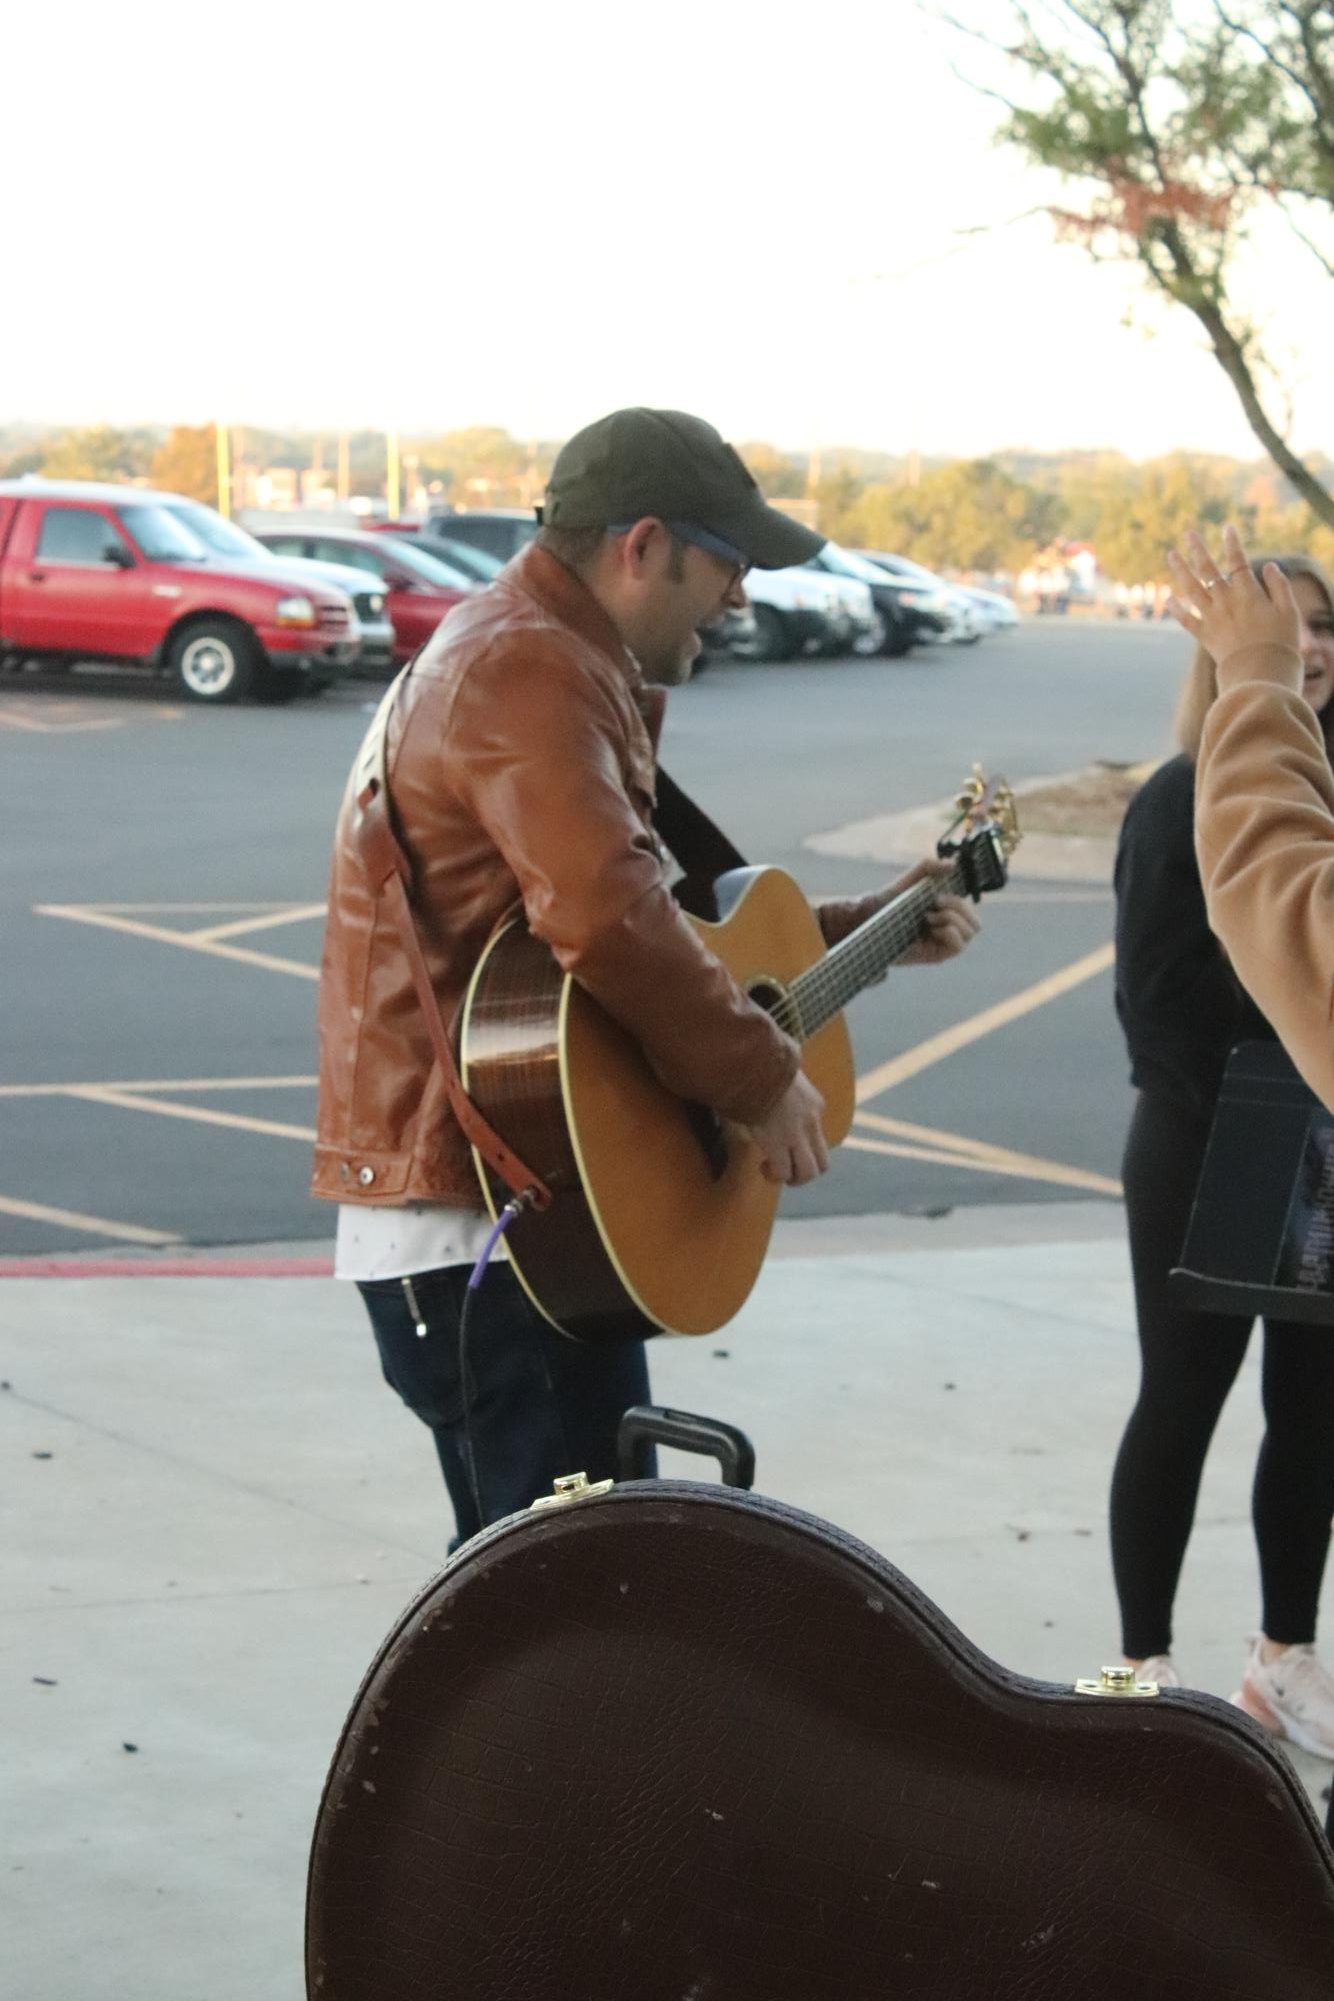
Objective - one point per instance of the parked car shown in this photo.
(108, 573)
(501, 531)
(940, 608)
(732, 631)
(797, 610)
(479, 564)
(419, 589)
(894, 630)
(995, 611)
(858, 627)
(228, 542)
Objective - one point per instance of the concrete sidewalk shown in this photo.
(217, 1510)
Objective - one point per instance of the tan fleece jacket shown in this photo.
(1264, 834)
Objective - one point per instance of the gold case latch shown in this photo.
(1120, 1681)
(572, 1487)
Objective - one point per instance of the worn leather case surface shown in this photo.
(679, 1743)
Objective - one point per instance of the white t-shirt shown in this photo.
(395, 1243)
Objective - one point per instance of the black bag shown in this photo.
(1261, 1233)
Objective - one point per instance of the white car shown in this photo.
(995, 611)
(799, 610)
(861, 630)
(964, 627)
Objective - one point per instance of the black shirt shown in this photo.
(1180, 1005)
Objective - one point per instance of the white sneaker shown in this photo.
(1292, 1696)
(1159, 1668)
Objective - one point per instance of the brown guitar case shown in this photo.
(675, 1742)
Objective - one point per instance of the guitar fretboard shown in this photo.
(825, 988)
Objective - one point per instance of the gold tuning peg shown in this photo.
(1007, 816)
(972, 792)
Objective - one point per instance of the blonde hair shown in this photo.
(1201, 684)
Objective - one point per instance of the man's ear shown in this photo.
(639, 546)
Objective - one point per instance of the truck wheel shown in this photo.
(214, 661)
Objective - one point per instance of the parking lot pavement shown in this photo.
(196, 1127)
(224, 1510)
(160, 910)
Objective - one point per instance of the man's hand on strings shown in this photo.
(951, 924)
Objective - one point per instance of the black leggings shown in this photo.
(1189, 1362)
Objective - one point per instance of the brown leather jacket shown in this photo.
(521, 768)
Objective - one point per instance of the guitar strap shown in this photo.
(701, 849)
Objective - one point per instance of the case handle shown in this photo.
(647, 1425)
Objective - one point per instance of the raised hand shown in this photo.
(1251, 627)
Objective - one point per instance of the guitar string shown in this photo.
(817, 995)
(825, 988)
(817, 998)
(865, 951)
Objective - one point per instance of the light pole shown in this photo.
(224, 471)
(391, 482)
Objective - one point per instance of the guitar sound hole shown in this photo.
(766, 994)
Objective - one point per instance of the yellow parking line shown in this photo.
(294, 914)
(97, 1226)
(128, 909)
(981, 1153)
(951, 1040)
(132, 1101)
(152, 1084)
(15, 719)
(83, 914)
(1013, 896)
(1038, 1171)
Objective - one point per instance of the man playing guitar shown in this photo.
(519, 755)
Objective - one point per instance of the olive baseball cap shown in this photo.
(662, 462)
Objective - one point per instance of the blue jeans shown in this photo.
(542, 1404)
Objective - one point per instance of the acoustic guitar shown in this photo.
(660, 1215)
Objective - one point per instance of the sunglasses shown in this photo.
(700, 538)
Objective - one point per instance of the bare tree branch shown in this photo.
(1160, 199)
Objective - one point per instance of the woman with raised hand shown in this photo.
(1265, 805)
(1182, 1008)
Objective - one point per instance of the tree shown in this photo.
(482, 466)
(97, 452)
(187, 462)
(778, 476)
(1133, 514)
(1184, 124)
(970, 515)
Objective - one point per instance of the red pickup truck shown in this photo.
(91, 572)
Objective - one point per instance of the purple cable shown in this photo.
(498, 1229)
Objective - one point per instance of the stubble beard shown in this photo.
(670, 670)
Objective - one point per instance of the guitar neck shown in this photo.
(863, 957)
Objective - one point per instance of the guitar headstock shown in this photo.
(984, 833)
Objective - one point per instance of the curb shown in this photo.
(242, 1266)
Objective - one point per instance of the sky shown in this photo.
(793, 221)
